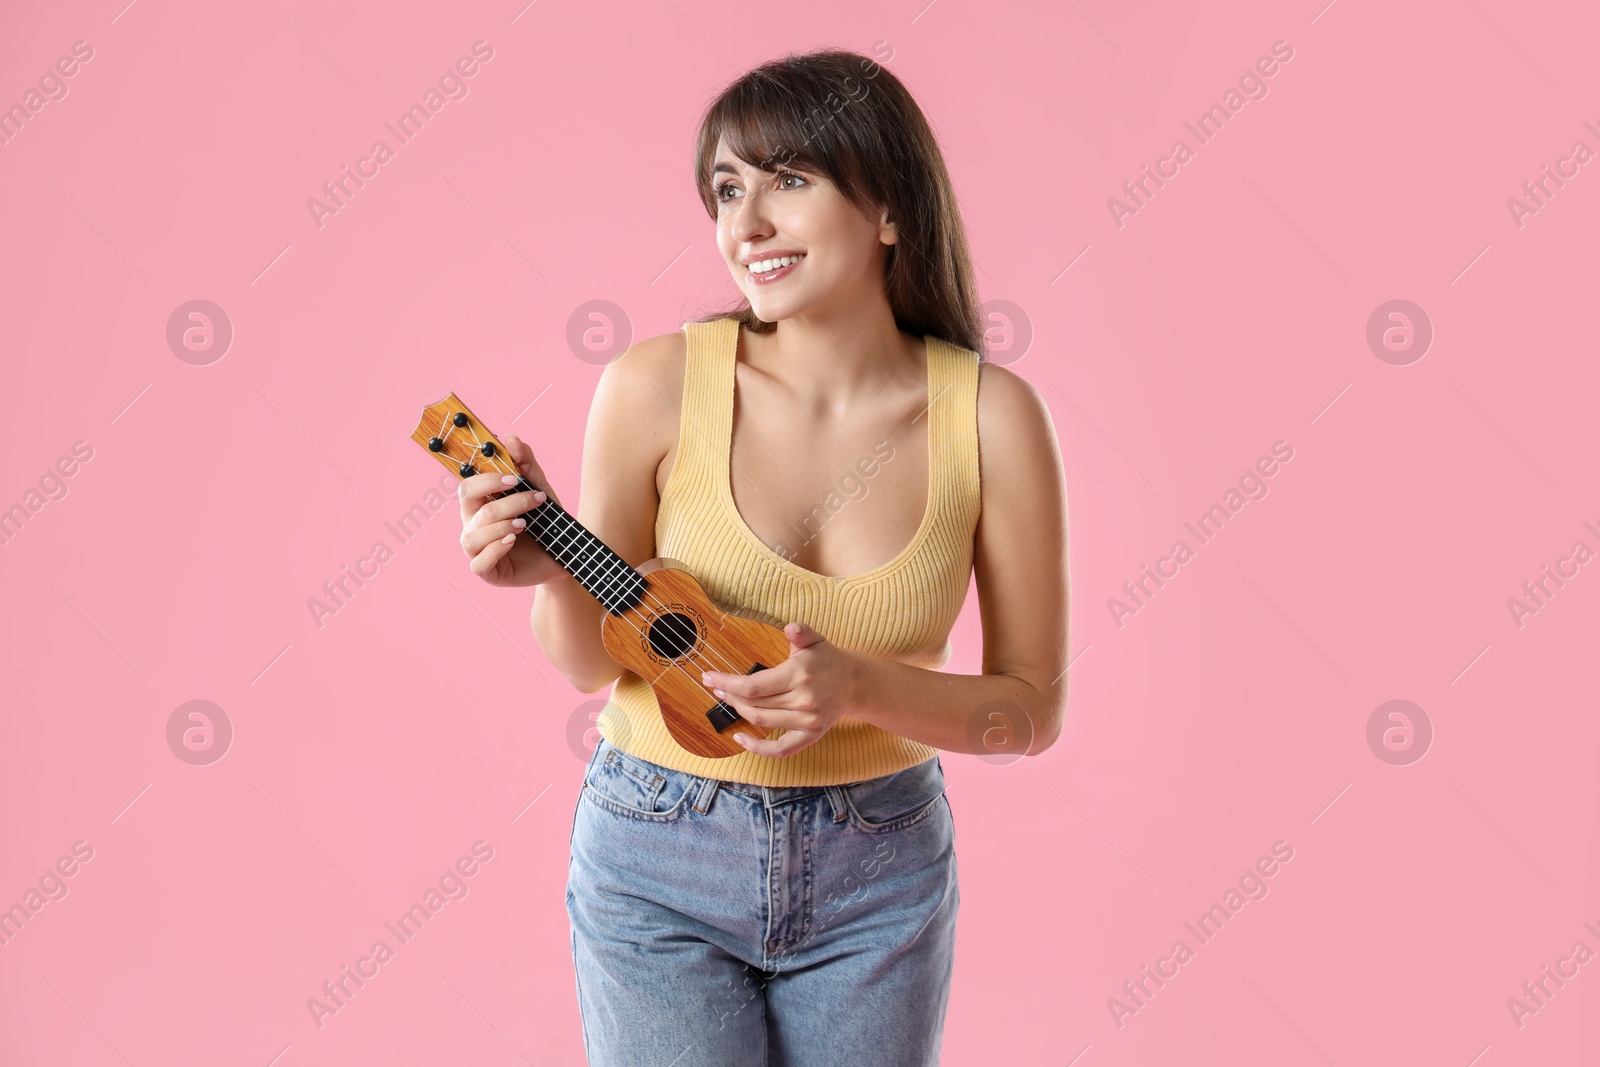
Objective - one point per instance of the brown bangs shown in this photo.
(768, 125)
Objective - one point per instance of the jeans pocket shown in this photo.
(632, 787)
(895, 801)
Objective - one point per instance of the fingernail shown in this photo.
(509, 479)
(705, 677)
(539, 496)
(508, 538)
(743, 739)
(519, 522)
(720, 693)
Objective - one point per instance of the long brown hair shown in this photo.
(840, 114)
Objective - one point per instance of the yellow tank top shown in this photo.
(901, 610)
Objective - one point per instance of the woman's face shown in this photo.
(768, 217)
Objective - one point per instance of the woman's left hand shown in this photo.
(804, 695)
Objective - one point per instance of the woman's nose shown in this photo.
(751, 220)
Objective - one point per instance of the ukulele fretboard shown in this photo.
(606, 575)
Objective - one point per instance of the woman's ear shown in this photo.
(887, 234)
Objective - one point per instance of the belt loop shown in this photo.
(836, 798)
(707, 791)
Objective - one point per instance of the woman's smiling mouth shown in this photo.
(763, 271)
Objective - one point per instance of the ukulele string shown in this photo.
(608, 581)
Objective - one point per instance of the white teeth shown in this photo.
(765, 266)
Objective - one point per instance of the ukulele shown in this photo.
(660, 624)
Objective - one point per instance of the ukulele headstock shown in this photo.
(460, 440)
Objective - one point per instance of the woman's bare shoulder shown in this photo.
(646, 381)
(662, 348)
(633, 425)
(634, 419)
(1013, 418)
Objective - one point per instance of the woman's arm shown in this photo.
(632, 425)
(1020, 558)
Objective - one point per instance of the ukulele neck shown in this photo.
(606, 575)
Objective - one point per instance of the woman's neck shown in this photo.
(832, 363)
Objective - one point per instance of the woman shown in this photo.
(795, 904)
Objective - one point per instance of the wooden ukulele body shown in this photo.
(673, 634)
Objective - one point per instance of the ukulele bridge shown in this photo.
(721, 715)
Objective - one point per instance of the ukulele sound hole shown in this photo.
(672, 636)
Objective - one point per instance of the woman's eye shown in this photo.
(720, 192)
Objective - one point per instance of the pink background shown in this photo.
(1229, 713)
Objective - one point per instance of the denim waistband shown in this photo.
(703, 790)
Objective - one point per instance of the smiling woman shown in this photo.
(818, 864)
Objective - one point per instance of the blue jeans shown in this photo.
(719, 924)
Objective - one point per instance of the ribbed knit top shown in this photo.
(901, 610)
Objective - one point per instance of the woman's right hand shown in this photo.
(492, 528)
